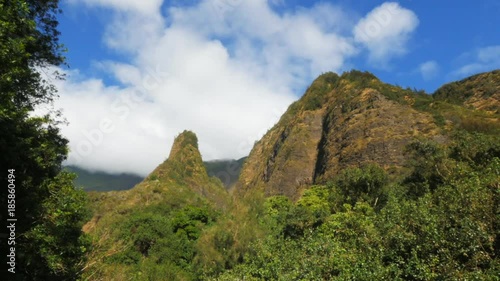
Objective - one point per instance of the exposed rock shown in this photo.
(339, 122)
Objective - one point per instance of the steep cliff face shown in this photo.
(284, 160)
(341, 121)
(373, 128)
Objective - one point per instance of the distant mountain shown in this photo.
(228, 171)
(101, 181)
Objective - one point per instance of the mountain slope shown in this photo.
(354, 119)
(481, 91)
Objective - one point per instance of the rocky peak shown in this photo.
(184, 165)
(340, 121)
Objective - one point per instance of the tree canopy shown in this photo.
(50, 212)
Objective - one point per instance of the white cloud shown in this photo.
(226, 69)
(429, 69)
(270, 42)
(489, 54)
(385, 31)
(480, 60)
(143, 6)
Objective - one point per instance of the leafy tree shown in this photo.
(309, 212)
(366, 183)
(49, 211)
(427, 161)
(450, 230)
(55, 245)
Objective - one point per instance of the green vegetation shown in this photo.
(472, 104)
(189, 138)
(161, 241)
(362, 80)
(446, 230)
(484, 84)
(50, 212)
(150, 232)
(147, 241)
(438, 221)
(459, 117)
(316, 94)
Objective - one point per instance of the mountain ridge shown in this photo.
(351, 119)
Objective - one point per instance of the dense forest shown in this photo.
(359, 180)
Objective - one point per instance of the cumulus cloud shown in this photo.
(429, 69)
(297, 43)
(144, 6)
(385, 31)
(480, 60)
(226, 69)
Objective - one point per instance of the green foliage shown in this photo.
(189, 139)
(363, 184)
(310, 212)
(160, 241)
(316, 94)
(318, 255)
(462, 118)
(277, 210)
(427, 163)
(359, 227)
(475, 149)
(458, 102)
(56, 243)
(361, 79)
(458, 92)
(50, 212)
(438, 220)
(447, 232)
(364, 80)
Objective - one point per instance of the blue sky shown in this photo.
(227, 69)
